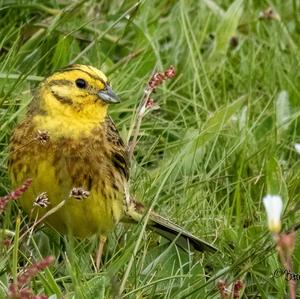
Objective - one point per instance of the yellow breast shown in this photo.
(61, 165)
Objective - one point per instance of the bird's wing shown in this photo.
(119, 153)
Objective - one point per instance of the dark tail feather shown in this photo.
(172, 231)
(167, 229)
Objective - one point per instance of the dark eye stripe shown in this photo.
(64, 100)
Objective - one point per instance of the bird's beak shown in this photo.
(108, 96)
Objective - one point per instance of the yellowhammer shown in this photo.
(72, 150)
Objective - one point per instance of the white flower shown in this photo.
(297, 147)
(273, 205)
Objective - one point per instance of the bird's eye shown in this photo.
(81, 83)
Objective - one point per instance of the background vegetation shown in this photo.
(223, 138)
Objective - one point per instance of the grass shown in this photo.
(222, 139)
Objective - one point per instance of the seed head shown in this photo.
(42, 200)
(269, 14)
(79, 193)
(42, 136)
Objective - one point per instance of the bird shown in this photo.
(79, 165)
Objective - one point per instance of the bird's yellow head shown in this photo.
(73, 100)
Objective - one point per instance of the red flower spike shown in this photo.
(33, 270)
(12, 288)
(238, 285)
(150, 103)
(19, 191)
(222, 289)
(170, 72)
(19, 290)
(14, 194)
(286, 243)
(221, 285)
(158, 78)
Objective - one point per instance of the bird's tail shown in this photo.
(166, 228)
